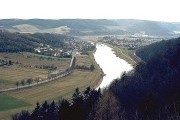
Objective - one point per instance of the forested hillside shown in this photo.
(91, 26)
(18, 42)
(158, 49)
(151, 92)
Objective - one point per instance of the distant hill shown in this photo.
(158, 49)
(91, 26)
(24, 42)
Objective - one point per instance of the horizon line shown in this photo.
(87, 19)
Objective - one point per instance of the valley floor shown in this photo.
(55, 90)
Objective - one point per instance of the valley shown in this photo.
(58, 60)
(55, 90)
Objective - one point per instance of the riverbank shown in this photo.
(97, 68)
(124, 54)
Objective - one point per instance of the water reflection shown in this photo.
(112, 66)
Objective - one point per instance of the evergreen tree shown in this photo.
(52, 112)
(44, 111)
(77, 107)
(36, 114)
(24, 115)
(64, 110)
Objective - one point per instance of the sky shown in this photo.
(157, 10)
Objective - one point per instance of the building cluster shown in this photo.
(81, 48)
(130, 42)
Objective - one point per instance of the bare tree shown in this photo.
(29, 81)
(17, 84)
(22, 82)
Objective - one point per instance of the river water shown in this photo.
(112, 66)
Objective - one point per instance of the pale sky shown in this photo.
(158, 10)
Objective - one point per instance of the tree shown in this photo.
(10, 62)
(92, 67)
(77, 96)
(36, 113)
(44, 111)
(52, 112)
(29, 81)
(64, 110)
(77, 107)
(22, 82)
(91, 96)
(149, 106)
(24, 115)
(107, 108)
(3, 62)
(17, 84)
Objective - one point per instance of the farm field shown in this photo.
(56, 90)
(92, 38)
(8, 102)
(10, 75)
(27, 66)
(83, 60)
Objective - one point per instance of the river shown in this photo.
(112, 66)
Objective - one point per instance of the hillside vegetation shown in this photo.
(90, 26)
(151, 92)
(162, 48)
(16, 42)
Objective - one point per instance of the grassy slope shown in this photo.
(62, 88)
(83, 60)
(8, 102)
(9, 75)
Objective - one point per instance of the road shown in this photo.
(67, 72)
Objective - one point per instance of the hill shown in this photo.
(18, 42)
(91, 26)
(151, 92)
(158, 49)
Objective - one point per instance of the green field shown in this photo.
(56, 90)
(8, 102)
(24, 68)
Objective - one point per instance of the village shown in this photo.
(81, 48)
(131, 42)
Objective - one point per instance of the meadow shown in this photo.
(9, 102)
(28, 66)
(56, 90)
